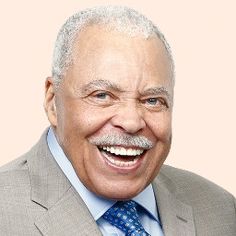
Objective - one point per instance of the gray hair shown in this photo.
(118, 18)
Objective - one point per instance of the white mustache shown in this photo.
(122, 139)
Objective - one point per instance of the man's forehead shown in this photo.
(110, 47)
(98, 61)
(102, 36)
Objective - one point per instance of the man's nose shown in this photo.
(129, 118)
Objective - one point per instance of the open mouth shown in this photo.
(121, 156)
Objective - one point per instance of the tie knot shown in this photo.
(124, 216)
(125, 206)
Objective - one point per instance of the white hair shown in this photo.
(118, 18)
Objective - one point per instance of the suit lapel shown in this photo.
(69, 216)
(176, 216)
(64, 213)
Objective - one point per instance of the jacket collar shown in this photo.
(65, 212)
(176, 216)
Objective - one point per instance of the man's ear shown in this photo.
(49, 101)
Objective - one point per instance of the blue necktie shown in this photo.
(124, 216)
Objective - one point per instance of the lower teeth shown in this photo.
(118, 162)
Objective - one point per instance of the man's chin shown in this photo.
(120, 193)
(119, 196)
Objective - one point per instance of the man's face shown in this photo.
(113, 112)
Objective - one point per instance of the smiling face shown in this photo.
(113, 111)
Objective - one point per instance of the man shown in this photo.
(98, 170)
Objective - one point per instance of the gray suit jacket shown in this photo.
(37, 199)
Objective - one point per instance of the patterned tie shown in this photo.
(124, 216)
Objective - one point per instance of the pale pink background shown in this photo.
(203, 38)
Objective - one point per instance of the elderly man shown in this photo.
(98, 170)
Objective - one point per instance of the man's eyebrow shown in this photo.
(157, 91)
(100, 84)
(106, 84)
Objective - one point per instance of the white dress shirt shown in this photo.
(98, 206)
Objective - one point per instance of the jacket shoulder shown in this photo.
(18, 211)
(13, 172)
(198, 192)
(213, 207)
(186, 182)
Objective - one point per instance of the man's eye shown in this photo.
(100, 98)
(152, 101)
(155, 103)
(101, 95)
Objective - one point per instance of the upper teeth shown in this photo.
(123, 151)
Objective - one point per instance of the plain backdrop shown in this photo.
(202, 35)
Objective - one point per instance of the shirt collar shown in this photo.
(96, 205)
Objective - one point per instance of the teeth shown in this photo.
(112, 150)
(121, 163)
(123, 151)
